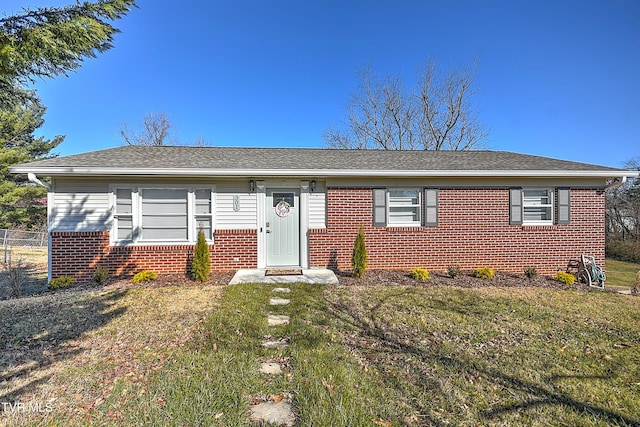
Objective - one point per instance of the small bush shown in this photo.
(484, 273)
(453, 271)
(144, 276)
(15, 273)
(531, 272)
(566, 278)
(201, 265)
(359, 258)
(100, 275)
(61, 282)
(419, 274)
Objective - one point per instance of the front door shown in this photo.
(283, 227)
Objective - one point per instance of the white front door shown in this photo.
(283, 227)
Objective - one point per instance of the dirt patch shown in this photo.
(215, 278)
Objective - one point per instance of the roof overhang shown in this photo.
(183, 172)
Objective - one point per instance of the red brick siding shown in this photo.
(77, 254)
(473, 231)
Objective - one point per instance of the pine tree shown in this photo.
(359, 259)
(201, 265)
(50, 41)
(22, 203)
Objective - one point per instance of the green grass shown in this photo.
(621, 273)
(358, 356)
(407, 356)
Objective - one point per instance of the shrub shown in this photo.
(100, 275)
(201, 265)
(144, 276)
(61, 282)
(623, 251)
(566, 278)
(419, 274)
(359, 258)
(531, 272)
(453, 271)
(15, 273)
(484, 273)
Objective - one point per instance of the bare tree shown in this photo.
(623, 208)
(155, 130)
(438, 114)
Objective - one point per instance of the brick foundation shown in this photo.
(77, 254)
(473, 231)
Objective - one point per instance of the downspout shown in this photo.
(617, 182)
(33, 178)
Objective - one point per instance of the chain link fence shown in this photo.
(22, 239)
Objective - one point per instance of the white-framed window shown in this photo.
(161, 214)
(399, 207)
(535, 206)
(404, 206)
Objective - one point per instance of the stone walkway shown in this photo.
(275, 409)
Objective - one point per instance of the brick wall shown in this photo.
(77, 254)
(473, 231)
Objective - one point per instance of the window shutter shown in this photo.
(515, 206)
(564, 206)
(430, 207)
(380, 207)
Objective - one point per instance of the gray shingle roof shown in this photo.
(176, 160)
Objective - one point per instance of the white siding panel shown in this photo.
(226, 217)
(80, 206)
(317, 210)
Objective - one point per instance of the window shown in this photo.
(535, 206)
(153, 214)
(204, 212)
(402, 207)
(123, 214)
(164, 215)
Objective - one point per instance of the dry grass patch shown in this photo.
(70, 350)
(497, 356)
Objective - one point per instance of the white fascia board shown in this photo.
(84, 171)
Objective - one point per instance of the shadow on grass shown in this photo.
(379, 343)
(39, 331)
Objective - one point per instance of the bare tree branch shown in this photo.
(156, 130)
(437, 115)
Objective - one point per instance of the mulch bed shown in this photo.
(464, 280)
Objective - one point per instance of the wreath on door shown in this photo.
(283, 209)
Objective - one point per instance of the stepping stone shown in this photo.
(276, 319)
(271, 368)
(283, 290)
(283, 342)
(279, 301)
(279, 414)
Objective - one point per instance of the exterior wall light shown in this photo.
(252, 186)
(313, 186)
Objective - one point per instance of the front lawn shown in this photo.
(376, 355)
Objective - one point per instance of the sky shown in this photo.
(556, 78)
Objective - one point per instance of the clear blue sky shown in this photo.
(558, 78)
